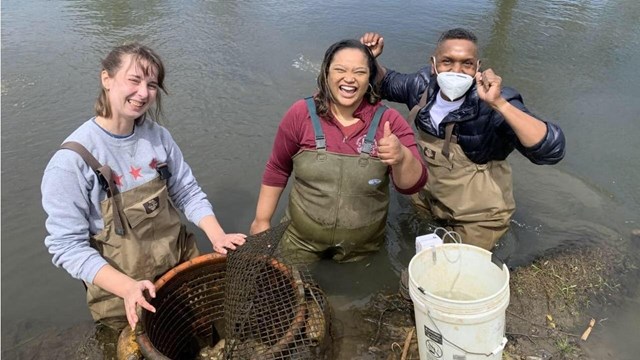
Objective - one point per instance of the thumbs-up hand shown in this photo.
(389, 147)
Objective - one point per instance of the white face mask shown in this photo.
(452, 84)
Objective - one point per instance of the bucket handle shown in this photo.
(497, 261)
(499, 348)
(418, 301)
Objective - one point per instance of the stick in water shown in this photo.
(586, 333)
(407, 341)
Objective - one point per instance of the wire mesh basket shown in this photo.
(250, 305)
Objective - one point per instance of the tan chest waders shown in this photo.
(475, 200)
(142, 235)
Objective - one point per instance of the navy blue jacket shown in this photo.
(482, 132)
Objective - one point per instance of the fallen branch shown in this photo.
(375, 339)
(527, 336)
(407, 342)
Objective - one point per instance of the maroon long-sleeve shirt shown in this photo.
(295, 133)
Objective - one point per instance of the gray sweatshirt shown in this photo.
(71, 193)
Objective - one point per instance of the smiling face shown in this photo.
(132, 89)
(457, 55)
(348, 78)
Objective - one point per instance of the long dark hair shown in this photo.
(141, 55)
(323, 99)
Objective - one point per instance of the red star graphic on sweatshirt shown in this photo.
(135, 172)
(154, 163)
(117, 179)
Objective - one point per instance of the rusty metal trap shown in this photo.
(251, 304)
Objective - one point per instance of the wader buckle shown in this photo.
(104, 184)
(163, 170)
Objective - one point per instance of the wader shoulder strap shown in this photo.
(104, 177)
(321, 144)
(448, 132)
(448, 129)
(369, 140)
(414, 111)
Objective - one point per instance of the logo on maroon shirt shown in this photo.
(360, 142)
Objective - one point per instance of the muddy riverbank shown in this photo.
(552, 303)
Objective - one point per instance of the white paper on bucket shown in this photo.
(426, 241)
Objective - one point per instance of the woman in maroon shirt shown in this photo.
(344, 148)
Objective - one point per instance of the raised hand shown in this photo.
(489, 86)
(374, 42)
(389, 147)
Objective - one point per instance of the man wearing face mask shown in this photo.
(467, 124)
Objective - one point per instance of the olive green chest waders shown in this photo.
(338, 203)
(142, 236)
(474, 200)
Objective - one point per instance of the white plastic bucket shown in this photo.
(460, 297)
